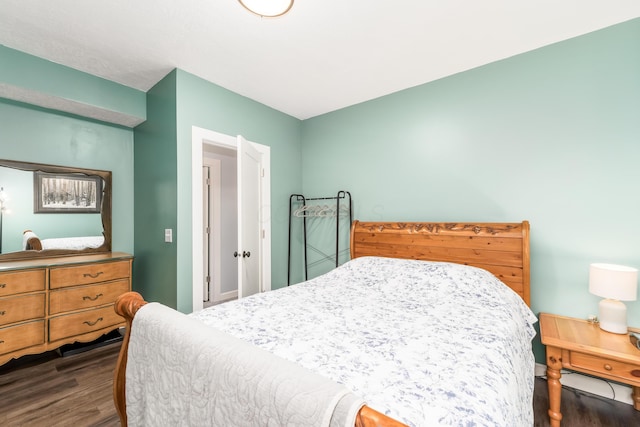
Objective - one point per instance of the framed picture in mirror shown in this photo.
(66, 193)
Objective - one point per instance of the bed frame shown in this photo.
(501, 248)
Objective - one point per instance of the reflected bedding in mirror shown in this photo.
(31, 241)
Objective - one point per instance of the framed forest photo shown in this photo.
(66, 193)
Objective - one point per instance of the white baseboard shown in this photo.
(223, 297)
(226, 296)
(598, 386)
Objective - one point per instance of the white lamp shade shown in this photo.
(613, 281)
(267, 8)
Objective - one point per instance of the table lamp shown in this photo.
(615, 283)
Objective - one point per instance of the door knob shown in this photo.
(235, 254)
(246, 254)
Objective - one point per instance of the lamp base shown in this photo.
(613, 316)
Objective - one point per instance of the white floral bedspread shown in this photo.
(423, 342)
(73, 242)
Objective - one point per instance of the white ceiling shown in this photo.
(322, 56)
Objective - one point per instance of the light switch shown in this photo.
(168, 235)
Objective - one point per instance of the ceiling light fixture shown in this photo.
(267, 8)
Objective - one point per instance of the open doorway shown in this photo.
(220, 223)
(257, 265)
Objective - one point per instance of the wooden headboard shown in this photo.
(501, 248)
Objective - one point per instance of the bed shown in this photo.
(399, 327)
(31, 241)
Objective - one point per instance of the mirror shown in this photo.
(28, 205)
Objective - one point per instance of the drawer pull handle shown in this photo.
(91, 299)
(636, 372)
(2, 313)
(3, 285)
(93, 276)
(608, 367)
(1, 341)
(86, 322)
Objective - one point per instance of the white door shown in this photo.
(249, 221)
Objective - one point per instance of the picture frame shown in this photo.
(66, 193)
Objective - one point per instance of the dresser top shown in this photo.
(62, 260)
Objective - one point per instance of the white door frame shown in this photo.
(200, 137)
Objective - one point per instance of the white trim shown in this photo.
(226, 296)
(593, 385)
(199, 137)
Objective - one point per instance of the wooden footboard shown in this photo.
(128, 304)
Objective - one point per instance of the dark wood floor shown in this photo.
(65, 391)
(76, 391)
(581, 409)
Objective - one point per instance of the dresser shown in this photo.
(46, 303)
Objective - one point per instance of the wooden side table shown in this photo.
(582, 346)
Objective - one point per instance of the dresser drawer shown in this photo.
(20, 308)
(88, 273)
(81, 323)
(80, 297)
(606, 367)
(21, 336)
(17, 282)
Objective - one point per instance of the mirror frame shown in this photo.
(105, 210)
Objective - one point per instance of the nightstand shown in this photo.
(582, 346)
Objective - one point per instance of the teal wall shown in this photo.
(550, 136)
(28, 73)
(163, 177)
(42, 136)
(155, 189)
(206, 105)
